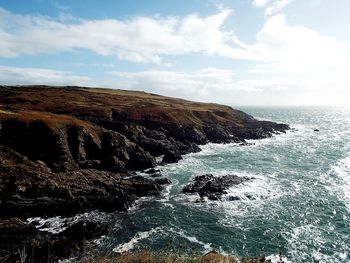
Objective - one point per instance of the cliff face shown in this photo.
(140, 116)
(70, 149)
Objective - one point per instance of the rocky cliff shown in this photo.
(65, 150)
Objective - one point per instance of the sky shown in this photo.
(236, 52)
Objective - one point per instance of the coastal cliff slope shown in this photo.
(66, 150)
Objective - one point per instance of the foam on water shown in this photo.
(58, 224)
(307, 243)
(166, 194)
(342, 170)
(180, 232)
(53, 225)
(122, 248)
(259, 188)
(278, 258)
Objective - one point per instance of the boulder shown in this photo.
(171, 157)
(212, 187)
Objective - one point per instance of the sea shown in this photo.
(297, 206)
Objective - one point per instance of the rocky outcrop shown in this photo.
(30, 188)
(171, 157)
(213, 187)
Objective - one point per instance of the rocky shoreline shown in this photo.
(67, 150)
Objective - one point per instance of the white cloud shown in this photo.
(260, 3)
(277, 6)
(138, 39)
(272, 6)
(296, 61)
(315, 65)
(209, 84)
(201, 84)
(23, 76)
(299, 51)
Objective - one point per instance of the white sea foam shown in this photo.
(337, 180)
(206, 246)
(136, 205)
(297, 131)
(309, 241)
(261, 187)
(342, 170)
(58, 224)
(276, 259)
(136, 239)
(166, 194)
(53, 225)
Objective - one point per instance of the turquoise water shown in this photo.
(301, 191)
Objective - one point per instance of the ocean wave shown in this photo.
(340, 185)
(307, 243)
(179, 232)
(130, 245)
(58, 224)
(276, 259)
(166, 194)
(297, 131)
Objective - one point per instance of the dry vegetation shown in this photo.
(52, 120)
(163, 257)
(100, 103)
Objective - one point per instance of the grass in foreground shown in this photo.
(163, 257)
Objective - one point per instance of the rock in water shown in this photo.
(212, 187)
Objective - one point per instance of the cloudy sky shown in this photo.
(238, 52)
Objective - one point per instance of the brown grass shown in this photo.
(99, 103)
(162, 257)
(53, 120)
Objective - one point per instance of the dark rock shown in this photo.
(217, 135)
(162, 181)
(233, 198)
(246, 144)
(112, 164)
(38, 141)
(213, 187)
(18, 237)
(141, 160)
(199, 182)
(171, 157)
(152, 171)
(187, 133)
(30, 189)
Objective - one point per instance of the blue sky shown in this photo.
(238, 52)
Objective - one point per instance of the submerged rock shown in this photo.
(152, 171)
(213, 187)
(162, 181)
